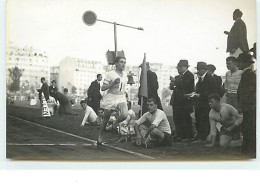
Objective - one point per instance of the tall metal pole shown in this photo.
(115, 38)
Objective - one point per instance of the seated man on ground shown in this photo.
(112, 124)
(100, 116)
(126, 127)
(225, 119)
(52, 104)
(90, 115)
(159, 131)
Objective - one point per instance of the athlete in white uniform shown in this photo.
(114, 83)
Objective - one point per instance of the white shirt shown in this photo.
(159, 119)
(118, 88)
(90, 115)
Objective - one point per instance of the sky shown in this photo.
(173, 29)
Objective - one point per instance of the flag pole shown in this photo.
(142, 99)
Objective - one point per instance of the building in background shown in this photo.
(34, 64)
(54, 73)
(78, 73)
(163, 73)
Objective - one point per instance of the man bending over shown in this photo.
(225, 119)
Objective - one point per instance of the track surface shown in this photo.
(27, 141)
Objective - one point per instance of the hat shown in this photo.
(246, 58)
(202, 65)
(53, 81)
(211, 67)
(183, 63)
(65, 90)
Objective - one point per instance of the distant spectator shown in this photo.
(218, 79)
(94, 95)
(90, 115)
(44, 89)
(65, 91)
(159, 132)
(225, 119)
(233, 77)
(65, 104)
(237, 37)
(53, 88)
(52, 105)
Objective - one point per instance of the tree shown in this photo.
(73, 90)
(15, 75)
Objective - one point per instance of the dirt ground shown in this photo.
(179, 151)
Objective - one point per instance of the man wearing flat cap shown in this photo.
(181, 104)
(237, 37)
(204, 87)
(247, 104)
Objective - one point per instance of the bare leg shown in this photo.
(224, 140)
(123, 110)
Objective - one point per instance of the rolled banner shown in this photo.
(45, 108)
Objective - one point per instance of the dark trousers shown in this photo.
(94, 104)
(202, 122)
(248, 129)
(183, 123)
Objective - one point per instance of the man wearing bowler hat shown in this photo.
(182, 105)
(204, 87)
(246, 95)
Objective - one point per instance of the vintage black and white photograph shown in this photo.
(132, 80)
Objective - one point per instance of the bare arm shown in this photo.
(85, 118)
(108, 86)
(149, 130)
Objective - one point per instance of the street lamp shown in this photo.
(90, 18)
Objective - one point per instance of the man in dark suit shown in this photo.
(53, 89)
(218, 79)
(247, 104)
(44, 89)
(152, 86)
(237, 37)
(204, 87)
(94, 95)
(182, 85)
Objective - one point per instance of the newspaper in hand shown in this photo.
(218, 126)
(190, 95)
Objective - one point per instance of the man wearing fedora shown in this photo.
(204, 87)
(182, 105)
(247, 104)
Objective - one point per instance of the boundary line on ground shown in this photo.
(86, 139)
(40, 144)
